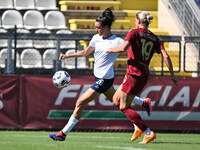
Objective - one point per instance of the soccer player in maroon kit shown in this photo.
(141, 44)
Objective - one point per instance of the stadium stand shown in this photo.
(80, 16)
(33, 55)
(75, 16)
(24, 4)
(10, 18)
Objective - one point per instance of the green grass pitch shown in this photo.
(39, 140)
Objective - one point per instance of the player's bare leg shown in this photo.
(88, 96)
(110, 93)
(117, 96)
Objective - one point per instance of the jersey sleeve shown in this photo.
(93, 41)
(129, 36)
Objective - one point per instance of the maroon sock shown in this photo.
(134, 117)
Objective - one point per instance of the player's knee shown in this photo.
(80, 104)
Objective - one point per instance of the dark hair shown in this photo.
(107, 18)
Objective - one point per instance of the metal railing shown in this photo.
(10, 63)
(191, 64)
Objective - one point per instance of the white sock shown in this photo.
(136, 127)
(71, 123)
(147, 132)
(138, 101)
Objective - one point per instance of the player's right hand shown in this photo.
(61, 56)
(174, 79)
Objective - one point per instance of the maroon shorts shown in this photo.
(133, 85)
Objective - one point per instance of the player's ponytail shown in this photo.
(107, 18)
(145, 18)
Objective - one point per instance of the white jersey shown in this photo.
(103, 62)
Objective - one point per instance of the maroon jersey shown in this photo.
(143, 44)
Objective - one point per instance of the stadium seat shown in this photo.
(23, 43)
(10, 18)
(64, 32)
(6, 4)
(31, 58)
(33, 19)
(88, 5)
(55, 20)
(70, 62)
(46, 5)
(42, 31)
(43, 43)
(89, 24)
(24, 4)
(48, 57)
(66, 44)
(3, 42)
(4, 55)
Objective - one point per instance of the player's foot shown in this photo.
(147, 105)
(57, 136)
(148, 138)
(137, 133)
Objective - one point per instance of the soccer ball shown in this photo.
(61, 79)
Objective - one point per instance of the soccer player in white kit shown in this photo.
(103, 69)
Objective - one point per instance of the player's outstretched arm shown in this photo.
(82, 53)
(119, 49)
(169, 65)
